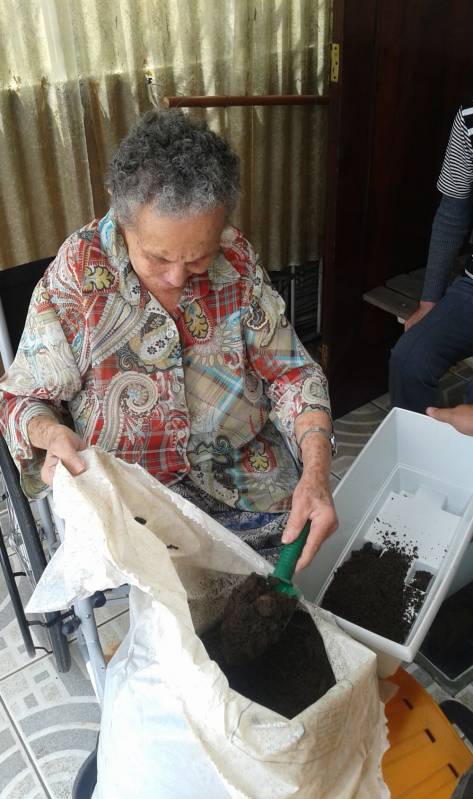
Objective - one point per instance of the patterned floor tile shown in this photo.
(12, 650)
(112, 633)
(437, 693)
(352, 432)
(464, 369)
(17, 777)
(112, 608)
(452, 384)
(383, 402)
(452, 389)
(423, 677)
(465, 696)
(57, 717)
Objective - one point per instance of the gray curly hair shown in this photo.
(177, 166)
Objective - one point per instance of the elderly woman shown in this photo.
(158, 329)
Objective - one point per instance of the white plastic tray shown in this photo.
(414, 477)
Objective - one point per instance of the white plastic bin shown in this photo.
(415, 474)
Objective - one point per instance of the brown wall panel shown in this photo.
(406, 66)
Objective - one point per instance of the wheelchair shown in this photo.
(30, 532)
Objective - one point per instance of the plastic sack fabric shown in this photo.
(171, 726)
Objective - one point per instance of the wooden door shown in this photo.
(405, 67)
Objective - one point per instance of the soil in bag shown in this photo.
(289, 676)
(370, 589)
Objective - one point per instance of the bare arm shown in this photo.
(312, 498)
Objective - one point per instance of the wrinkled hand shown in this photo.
(62, 445)
(423, 309)
(460, 417)
(311, 500)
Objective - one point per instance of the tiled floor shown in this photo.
(49, 721)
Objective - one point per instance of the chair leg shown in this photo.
(87, 633)
(90, 646)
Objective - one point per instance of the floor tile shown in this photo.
(352, 432)
(383, 402)
(464, 369)
(452, 388)
(437, 693)
(113, 607)
(17, 777)
(12, 650)
(423, 677)
(112, 633)
(465, 696)
(57, 717)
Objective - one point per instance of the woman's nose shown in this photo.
(176, 274)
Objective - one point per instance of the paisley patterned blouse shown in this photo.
(205, 394)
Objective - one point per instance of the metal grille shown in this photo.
(299, 288)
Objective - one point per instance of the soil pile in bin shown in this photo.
(369, 589)
(289, 676)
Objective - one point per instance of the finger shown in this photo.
(308, 554)
(73, 464)
(319, 531)
(294, 526)
(442, 414)
(313, 544)
(71, 460)
(48, 468)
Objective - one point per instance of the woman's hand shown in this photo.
(60, 443)
(312, 499)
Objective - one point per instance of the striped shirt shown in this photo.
(456, 176)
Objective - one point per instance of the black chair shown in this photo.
(16, 288)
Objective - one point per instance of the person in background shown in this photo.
(158, 329)
(440, 332)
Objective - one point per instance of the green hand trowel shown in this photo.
(258, 610)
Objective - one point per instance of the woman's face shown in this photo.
(166, 251)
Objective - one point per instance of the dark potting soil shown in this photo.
(289, 676)
(369, 589)
(421, 580)
(254, 618)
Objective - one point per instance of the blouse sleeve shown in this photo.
(46, 370)
(295, 383)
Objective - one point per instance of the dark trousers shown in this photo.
(426, 351)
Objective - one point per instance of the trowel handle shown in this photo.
(290, 554)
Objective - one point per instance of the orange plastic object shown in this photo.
(426, 756)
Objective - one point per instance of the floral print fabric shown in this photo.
(209, 393)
